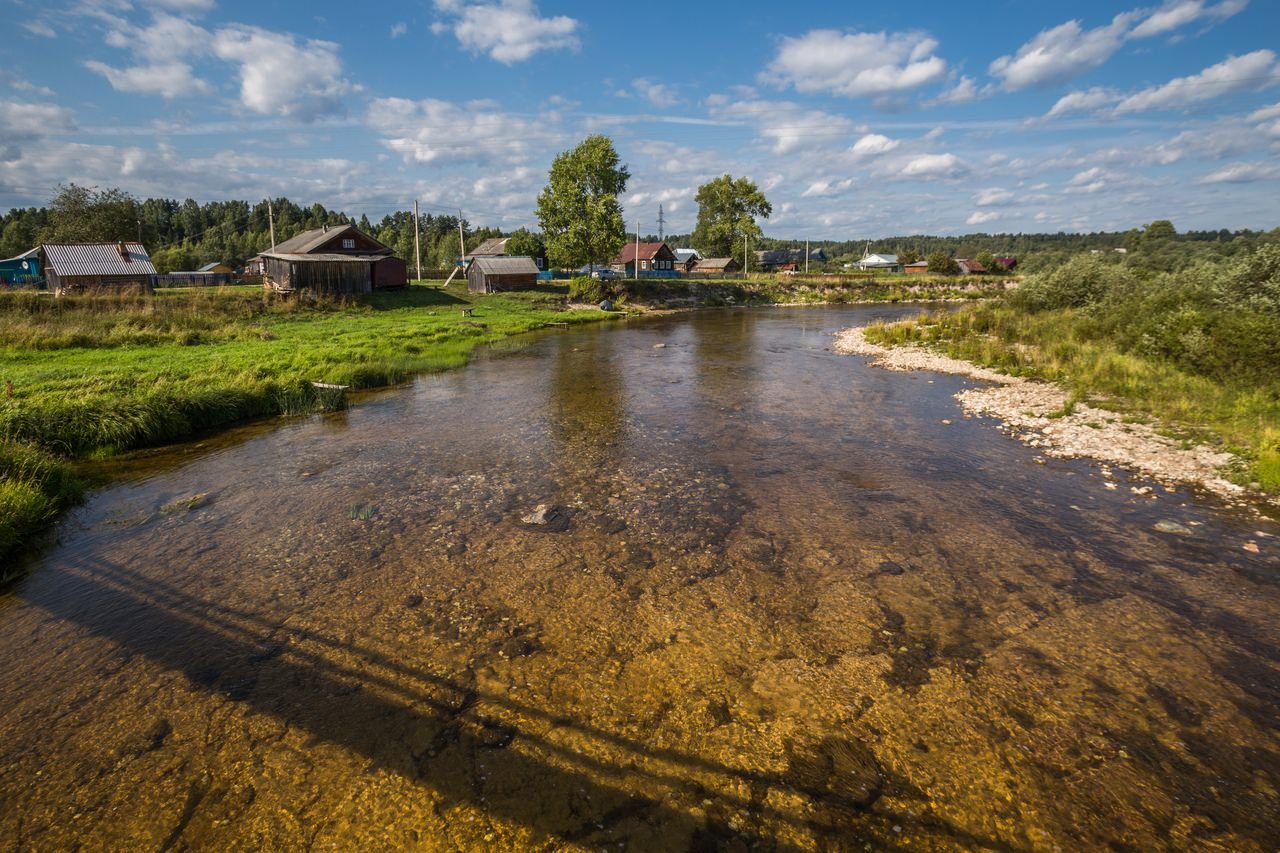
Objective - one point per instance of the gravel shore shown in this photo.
(1024, 406)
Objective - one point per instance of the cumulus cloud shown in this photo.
(1094, 99)
(22, 123)
(167, 79)
(934, 166)
(1089, 181)
(978, 217)
(1238, 73)
(284, 75)
(1242, 173)
(436, 131)
(166, 36)
(509, 31)
(658, 94)
(873, 145)
(965, 91)
(1179, 13)
(398, 29)
(989, 197)
(1058, 54)
(785, 125)
(855, 64)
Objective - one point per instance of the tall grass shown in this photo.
(34, 487)
(1200, 348)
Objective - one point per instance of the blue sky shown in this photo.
(939, 118)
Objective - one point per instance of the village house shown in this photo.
(21, 269)
(93, 267)
(655, 259)
(496, 247)
(717, 266)
(335, 259)
(879, 263)
(496, 274)
(968, 266)
(917, 267)
(686, 259)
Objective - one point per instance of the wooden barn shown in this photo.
(335, 259)
(95, 267)
(492, 275)
(717, 266)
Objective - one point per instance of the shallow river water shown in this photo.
(785, 601)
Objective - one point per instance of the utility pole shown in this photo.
(744, 255)
(635, 263)
(462, 241)
(271, 223)
(417, 247)
(806, 257)
(139, 230)
(661, 222)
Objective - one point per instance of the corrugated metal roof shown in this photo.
(647, 252)
(714, 263)
(683, 255)
(98, 259)
(494, 246)
(327, 257)
(506, 265)
(305, 242)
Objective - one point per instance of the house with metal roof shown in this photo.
(21, 270)
(334, 259)
(686, 259)
(493, 275)
(93, 267)
(654, 259)
(496, 247)
(879, 263)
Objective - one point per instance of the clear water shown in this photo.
(779, 605)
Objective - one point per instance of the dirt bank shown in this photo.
(1036, 413)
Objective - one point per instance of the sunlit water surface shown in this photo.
(782, 603)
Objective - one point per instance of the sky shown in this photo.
(857, 121)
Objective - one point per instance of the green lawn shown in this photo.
(98, 375)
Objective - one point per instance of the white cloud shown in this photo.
(1265, 113)
(995, 195)
(785, 125)
(965, 91)
(978, 217)
(1179, 13)
(435, 131)
(1089, 181)
(282, 75)
(930, 166)
(169, 80)
(24, 85)
(39, 28)
(1058, 54)
(658, 94)
(398, 29)
(1238, 73)
(873, 145)
(855, 64)
(1242, 173)
(1093, 99)
(509, 31)
(19, 120)
(166, 36)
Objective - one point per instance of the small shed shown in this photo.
(93, 267)
(718, 266)
(917, 267)
(21, 270)
(968, 266)
(492, 275)
(324, 272)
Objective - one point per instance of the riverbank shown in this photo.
(1058, 423)
(95, 376)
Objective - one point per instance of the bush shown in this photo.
(584, 288)
(1082, 281)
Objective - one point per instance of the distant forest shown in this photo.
(185, 235)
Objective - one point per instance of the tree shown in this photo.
(726, 213)
(988, 260)
(578, 209)
(88, 215)
(524, 242)
(1161, 229)
(940, 263)
(908, 256)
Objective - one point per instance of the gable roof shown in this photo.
(516, 265)
(686, 255)
(493, 247)
(309, 241)
(879, 260)
(648, 251)
(210, 267)
(97, 259)
(714, 263)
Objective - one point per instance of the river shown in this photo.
(783, 601)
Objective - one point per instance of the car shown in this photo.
(605, 274)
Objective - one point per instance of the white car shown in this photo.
(605, 274)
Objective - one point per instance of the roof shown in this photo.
(328, 257)
(517, 265)
(493, 247)
(29, 253)
(648, 251)
(66, 259)
(921, 263)
(210, 267)
(684, 255)
(309, 241)
(971, 265)
(886, 260)
(715, 263)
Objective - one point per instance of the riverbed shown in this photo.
(776, 599)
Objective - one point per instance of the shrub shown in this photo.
(584, 288)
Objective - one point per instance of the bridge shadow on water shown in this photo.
(369, 706)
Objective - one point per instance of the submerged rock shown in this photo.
(1172, 527)
(542, 514)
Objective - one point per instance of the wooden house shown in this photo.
(95, 267)
(718, 266)
(493, 275)
(21, 269)
(879, 262)
(686, 259)
(335, 259)
(653, 258)
(496, 247)
(917, 267)
(215, 268)
(968, 266)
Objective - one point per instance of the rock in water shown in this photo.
(542, 514)
(1172, 527)
(606, 305)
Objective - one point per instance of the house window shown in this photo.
(348, 243)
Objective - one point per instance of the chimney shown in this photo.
(124, 251)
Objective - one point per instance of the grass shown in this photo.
(1059, 346)
(91, 376)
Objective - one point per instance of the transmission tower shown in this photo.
(661, 222)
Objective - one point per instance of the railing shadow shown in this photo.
(243, 656)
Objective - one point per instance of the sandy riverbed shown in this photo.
(1032, 412)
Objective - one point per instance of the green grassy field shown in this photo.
(91, 376)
